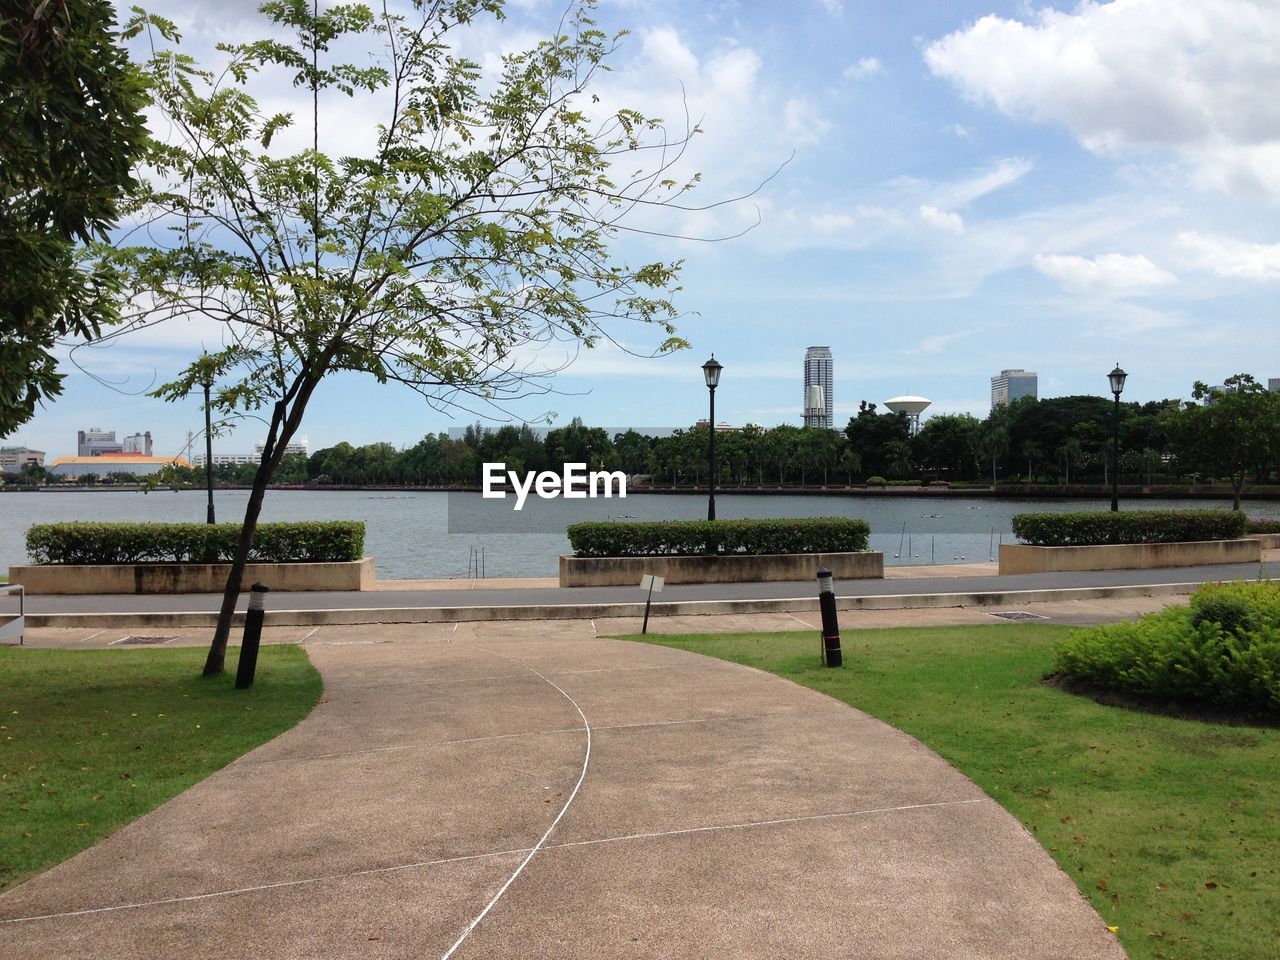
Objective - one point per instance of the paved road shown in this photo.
(541, 793)
(401, 599)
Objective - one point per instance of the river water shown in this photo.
(423, 535)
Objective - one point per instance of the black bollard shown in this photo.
(252, 636)
(830, 625)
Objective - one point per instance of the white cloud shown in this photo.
(956, 130)
(1228, 257)
(1116, 274)
(1198, 77)
(865, 67)
(832, 7)
(862, 216)
(802, 122)
(1004, 173)
(936, 345)
(942, 219)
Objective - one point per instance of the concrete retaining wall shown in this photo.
(1021, 558)
(627, 571)
(61, 579)
(1269, 541)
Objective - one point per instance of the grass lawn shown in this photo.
(1171, 827)
(91, 739)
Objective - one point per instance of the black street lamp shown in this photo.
(208, 447)
(1116, 377)
(711, 373)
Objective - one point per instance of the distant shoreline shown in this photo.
(1002, 492)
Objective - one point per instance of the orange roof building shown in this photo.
(114, 463)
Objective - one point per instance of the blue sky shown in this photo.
(967, 186)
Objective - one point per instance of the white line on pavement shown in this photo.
(529, 851)
(586, 762)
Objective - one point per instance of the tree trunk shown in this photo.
(279, 434)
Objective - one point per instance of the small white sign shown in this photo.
(650, 582)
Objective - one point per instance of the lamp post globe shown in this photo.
(711, 373)
(1116, 378)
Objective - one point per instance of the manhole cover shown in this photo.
(144, 641)
(1018, 615)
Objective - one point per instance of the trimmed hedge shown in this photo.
(1264, 526)
(1222, 650)
(701, 537)
(1132, 526)
(327, 541)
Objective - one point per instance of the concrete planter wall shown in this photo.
(189, 577)
(739, 568)
(1021, 558)
(1269, 541)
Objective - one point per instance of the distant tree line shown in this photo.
(1232, 435)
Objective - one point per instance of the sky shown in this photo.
(938, 191)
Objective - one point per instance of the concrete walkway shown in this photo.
(529, 790)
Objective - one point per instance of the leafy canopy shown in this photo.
(71, 117)
(476, 226)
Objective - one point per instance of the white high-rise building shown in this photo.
(1013, 385)
(819, 379)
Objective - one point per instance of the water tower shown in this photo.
(912, 407)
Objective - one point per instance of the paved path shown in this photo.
(531, 791)
(541, 596)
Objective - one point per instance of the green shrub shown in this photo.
(1221, 650)
(1232, 614)
(701, 537)
(115, 543)
(1132, 526)
(1264, 526)
(877, 482)
(904, 483)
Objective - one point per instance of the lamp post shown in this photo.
(1116, 377)
(208, 448)
(711, 373)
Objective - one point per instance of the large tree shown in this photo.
(71, 116)
(1232, 430)
(481, 221)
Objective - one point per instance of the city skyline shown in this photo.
(946, 183)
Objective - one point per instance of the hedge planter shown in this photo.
(724, 568)
(1022, 558)
(49, 579)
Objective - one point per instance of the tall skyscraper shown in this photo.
(818, 383)
(1013, 385)
(1273, 384)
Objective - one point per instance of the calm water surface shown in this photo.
(410, 533)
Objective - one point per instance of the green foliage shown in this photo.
(73, 127)
(111, 543)
(1130, 526)
(877, 481)
(1264, 526)
(700, 537)
(1231, 433)
(1232, 613)
(1221, 650)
